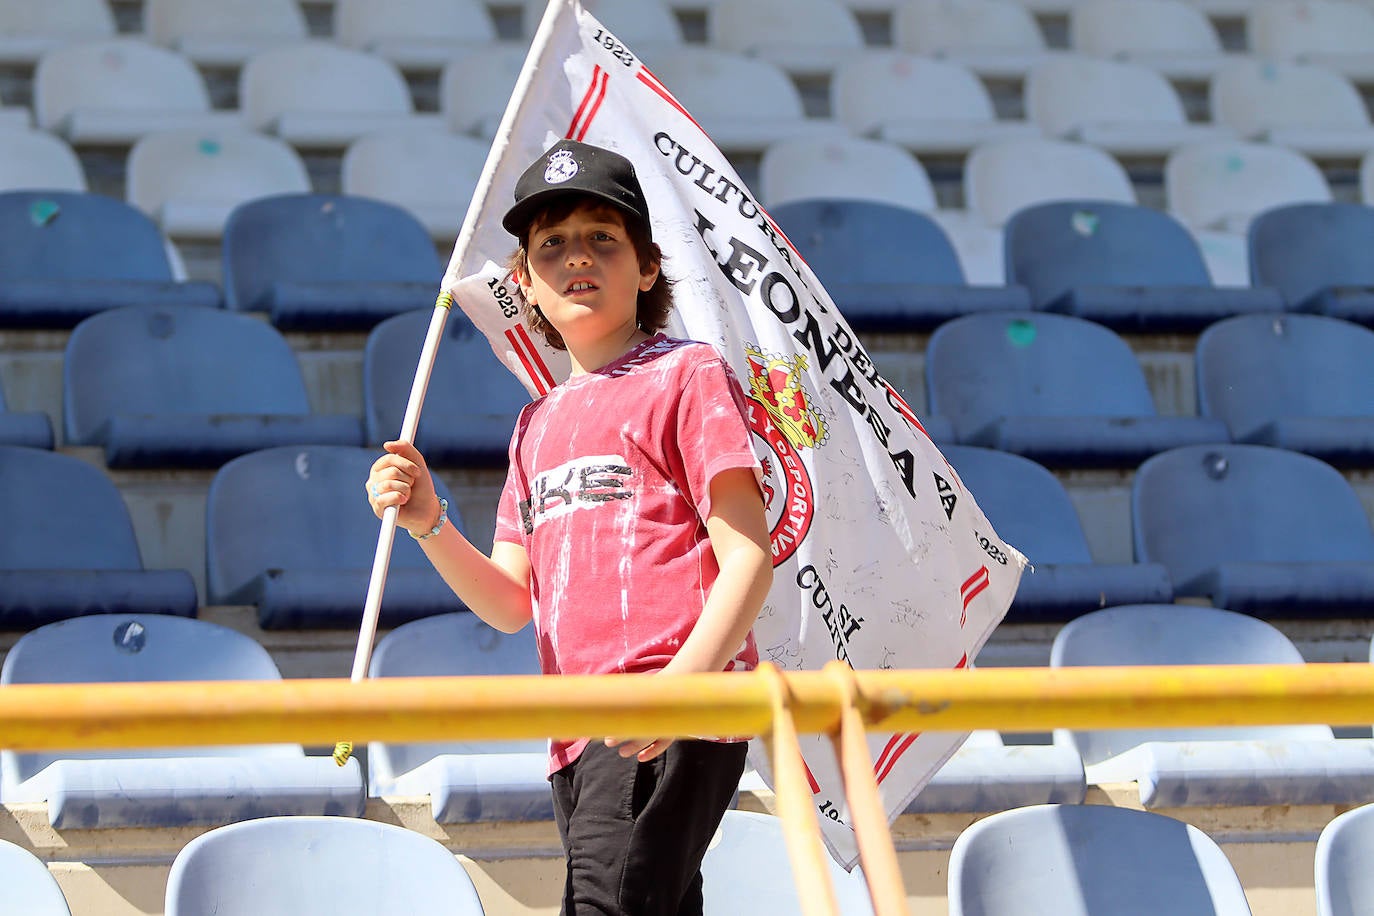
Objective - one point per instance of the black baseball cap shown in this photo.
(570, 167)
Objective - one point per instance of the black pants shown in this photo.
(635, 833)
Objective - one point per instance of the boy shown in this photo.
(631, 528)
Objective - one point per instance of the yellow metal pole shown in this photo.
(802, 832)
(866, 812)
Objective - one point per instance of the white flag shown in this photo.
(882, 559)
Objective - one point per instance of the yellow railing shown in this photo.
(836, 701)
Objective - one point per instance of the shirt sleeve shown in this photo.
(712, 430)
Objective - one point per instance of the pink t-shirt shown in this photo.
(608, 492)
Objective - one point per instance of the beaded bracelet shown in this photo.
(443, 517)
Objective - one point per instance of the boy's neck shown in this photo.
(593, 355)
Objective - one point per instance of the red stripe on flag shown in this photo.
(648, 79)
(974, 585)
(599, 96)
(586, 100)
(533, 351)
(881, 769)
(902, 407)
(962, 663)
(815, 786)
(525, 361)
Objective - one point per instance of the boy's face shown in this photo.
(584, 273)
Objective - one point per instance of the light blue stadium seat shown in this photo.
(1317, 256)
(986, 774)
(465, 780)
(1089, 860)
(65, 255)
(29, 887)
(49, 570)
(29, 428)
(179, 387)
(1300, 382)
(1259, 530)
(1060, 390)
(887, 267)
(1344, 880)
(162, 787)
(746, 870)
(1129, 267)
(324, 261)
(317, 866)
(290, 530)
(1301, 764)
(1032, 511)
(470, 405)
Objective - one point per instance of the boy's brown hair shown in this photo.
(653, 306)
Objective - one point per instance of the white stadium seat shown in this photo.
(843, 167)
(27, 30)
(414, 34)
(1332, 33)
(223, 32)
(475, 88)
(803, 37)
(428, 172)
(1221, 185)
(34, 159)
(994, 38)
(1170, 36)
(1003, 177)
(1312, 109)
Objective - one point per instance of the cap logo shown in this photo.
(562, 166)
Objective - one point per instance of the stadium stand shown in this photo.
(119, 90)
(46, 574)
(746, 870)
(1126, 109)
(1344, 883)
(1172, 37)
(471, 403)
(162, 787)
(1326, 32)
(927, 106)
(306, 563)
(1005, 176)
(465, 781)
(187, 387)
(1311, 109)
(431, 174)
(315, 94)
(28, 30)
(707, 82)
(327, 261)
(68, 255)
(888, 268)
(27, 428)
(475, 87)
(1031, 510)
(318, 865)
(189, 181)
(1299, 382)
(1244, 765)
(1089, 860)
(29, 887)
(214, 33)
(1057, 389)
(414, 34)
(1314, 255)
(807, 168)
(986, 774)
(36, 159)
(803, 37)
(1126, 266)
(993, 38)
(1258, 530)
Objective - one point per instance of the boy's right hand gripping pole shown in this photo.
(386, 537)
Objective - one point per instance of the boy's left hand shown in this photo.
(641, 748)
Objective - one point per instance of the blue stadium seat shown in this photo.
(465, 781)
(1317, 256)
(1344, 880)
(888, 268)
(1089, 860)
(324, 261)
(1174, 767)
(289, 529)
(1129, 267)
(1060, 390)
(986, 774)
(162, 787)
(178, 387)
(1031, 510)
(315, 865)
(747, 870)
(1300, 382)
(29, 887)
(470, 404)
(29, 428)
(1259, 530)
(65, 255)
(67, 547)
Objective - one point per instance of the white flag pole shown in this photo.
(372, 605)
